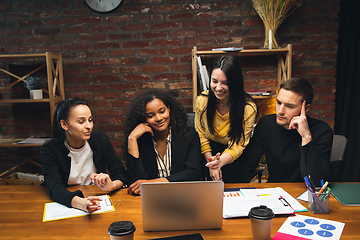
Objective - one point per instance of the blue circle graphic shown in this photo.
(306, 232)
(312, 221)
(298, 224)
(323, 233)
(327, 226)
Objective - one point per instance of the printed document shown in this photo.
(238, 203)
(309, 228)
(55, 211)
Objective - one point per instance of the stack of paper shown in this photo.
(260, 92)
(229, 49)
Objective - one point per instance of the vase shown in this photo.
(270, 40)
(36, 94)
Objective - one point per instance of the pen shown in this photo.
(288, 204)
(325, 193)
(323, 188)
(308, 183)
(322, 182)
(311, 183)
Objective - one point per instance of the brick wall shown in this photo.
(110, 58)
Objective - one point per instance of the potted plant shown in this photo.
(1, 129)
(34, 86)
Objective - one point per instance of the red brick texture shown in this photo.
(109, 58)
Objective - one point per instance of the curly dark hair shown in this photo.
(136, 114)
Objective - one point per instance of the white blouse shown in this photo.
(82, 165)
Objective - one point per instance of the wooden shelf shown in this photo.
(44, 100)
(245, 51)
(23, 56)
(55, 83)
(55, 88)
(284, 65)
(11, 143)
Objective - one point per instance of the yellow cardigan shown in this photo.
(221, 126)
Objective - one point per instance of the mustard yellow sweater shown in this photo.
(221, 126)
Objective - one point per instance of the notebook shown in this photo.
(348, 194)
(182, 205)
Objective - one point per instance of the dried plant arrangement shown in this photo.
(273, 13)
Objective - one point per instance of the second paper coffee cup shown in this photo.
(122, 230)
(261, 222)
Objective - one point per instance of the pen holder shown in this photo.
(318, 202)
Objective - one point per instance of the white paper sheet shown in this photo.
(32, 140)
(55, 211)
(237, 203)
(303, 197)
(240, 206)
(308, 227)
(278, 191)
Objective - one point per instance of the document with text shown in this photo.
(55, 211)
(238, 203)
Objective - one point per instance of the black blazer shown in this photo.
(56, 165)
(187, 163)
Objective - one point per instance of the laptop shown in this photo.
(182, 205)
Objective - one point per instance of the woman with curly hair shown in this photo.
(224, 118)
(159, 146)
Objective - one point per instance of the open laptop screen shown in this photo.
(182, 205)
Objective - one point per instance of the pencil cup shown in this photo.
(318, 202)
(123, 230)
(261, 222)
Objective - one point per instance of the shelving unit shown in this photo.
(284, 64)
(54, 67)
(55, 89)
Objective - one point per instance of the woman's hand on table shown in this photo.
(89, 204)
(92, 204)
(104, 182)
(134, 188)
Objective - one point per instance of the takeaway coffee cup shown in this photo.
(261, 222)
(123, 230)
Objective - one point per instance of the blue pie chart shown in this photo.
(306, 232)
(323, 233)
(298, 224)
(312, 221)
(327, 226)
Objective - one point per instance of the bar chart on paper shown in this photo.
(238, 203)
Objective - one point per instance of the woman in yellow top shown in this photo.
(224, 118)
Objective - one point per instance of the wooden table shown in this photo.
(22, 208)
